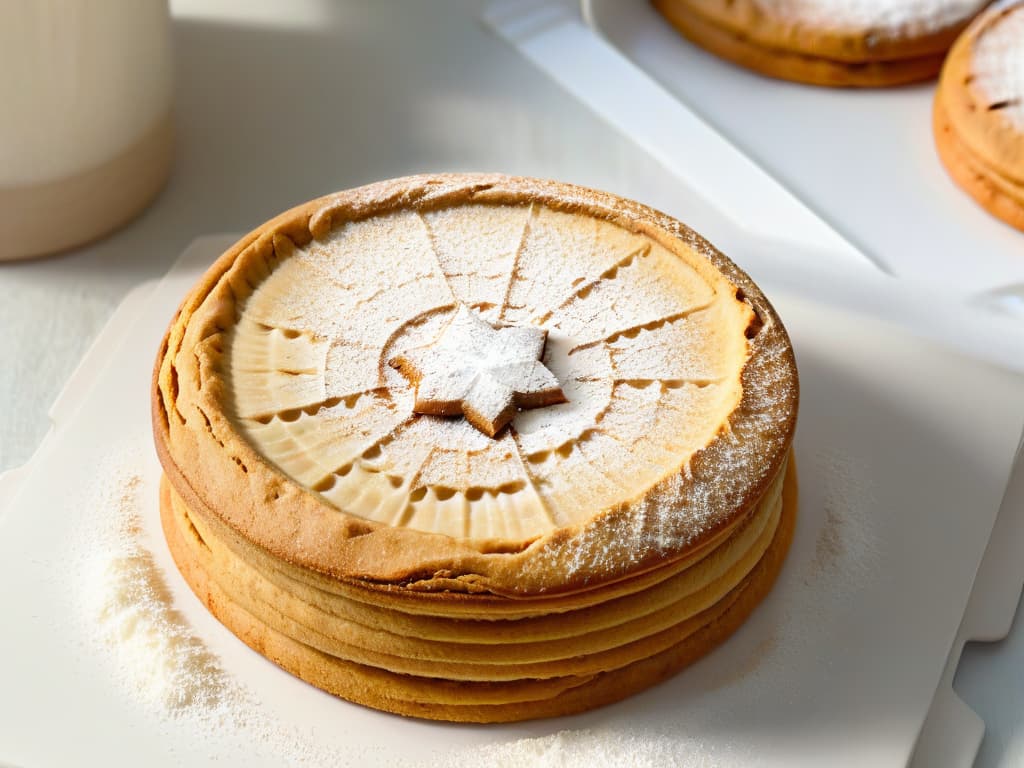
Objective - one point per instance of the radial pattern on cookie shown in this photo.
(645, 342)
(483, 372)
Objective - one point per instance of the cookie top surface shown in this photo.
(998, 61)
(280, 407)
(904, 17)
(982, 89)
(846, 30)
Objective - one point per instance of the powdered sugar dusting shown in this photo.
(480, 370)
(581, 255)
(683, 505)
(125, 616)
(221, 718)
(815, 594)
(641, 342)
(594, 748)
(893, 18)
(127, 607)
(839, 561)
(997, 60)
(846, 541)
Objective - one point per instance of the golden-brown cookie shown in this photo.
(845, 43)
(332, 495)
(978, 115)
(301, 651)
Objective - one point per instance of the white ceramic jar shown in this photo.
(85, 118)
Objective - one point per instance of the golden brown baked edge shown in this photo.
(795, 66)
(831, 40)
(970, 174)
(225, 474)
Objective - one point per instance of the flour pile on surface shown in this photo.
(159, 660)
(590, 748)
(125, 609)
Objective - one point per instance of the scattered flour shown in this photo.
(159, 660)
(125, 610)
(844, 551)
(589, 748)
(843, 559)
(842, 562)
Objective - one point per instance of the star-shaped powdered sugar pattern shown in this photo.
(480, 371)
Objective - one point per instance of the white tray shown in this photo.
(864, 160)
(842, 672)
(619, 69)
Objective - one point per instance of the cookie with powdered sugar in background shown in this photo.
(840, 43)
(978, 114)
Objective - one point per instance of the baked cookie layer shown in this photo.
(491, 687)
(978, 117)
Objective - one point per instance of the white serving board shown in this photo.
(863, 160)
(952, 732)
(755, 216)
(913, 443)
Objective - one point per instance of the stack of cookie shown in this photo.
(477, 448)
(858, 43)
(979, 111)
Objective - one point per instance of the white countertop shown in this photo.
(279, 102)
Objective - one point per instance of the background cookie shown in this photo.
(859, 43)
(979, 112)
